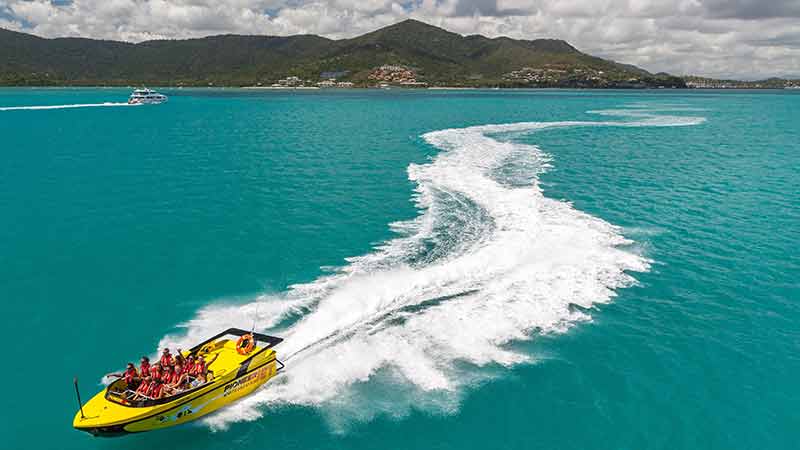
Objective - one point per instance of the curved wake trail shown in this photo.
(79, 105)
(488, 261)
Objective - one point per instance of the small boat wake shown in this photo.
(79, 105)
(490, 260)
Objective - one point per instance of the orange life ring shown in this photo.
(245, 344)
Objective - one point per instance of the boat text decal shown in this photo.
(240, 384)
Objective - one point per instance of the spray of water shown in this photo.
(488, 261)
(71, 106)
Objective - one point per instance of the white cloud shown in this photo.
(747, 38)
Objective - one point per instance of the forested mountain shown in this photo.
(436, 57)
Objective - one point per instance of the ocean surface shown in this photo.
(546, 269)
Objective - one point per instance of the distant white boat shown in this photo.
(146, 96)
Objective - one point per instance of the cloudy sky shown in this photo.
(720, 38)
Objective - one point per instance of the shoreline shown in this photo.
(281, 88)
(397, 88)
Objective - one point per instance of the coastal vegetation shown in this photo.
(428, 56)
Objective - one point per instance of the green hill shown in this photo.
(436, 56)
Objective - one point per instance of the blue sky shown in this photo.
(721, 38)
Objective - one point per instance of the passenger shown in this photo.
(179, 359)
(144, 366)
(166, 375)
(201, 371)
(178, 381)
(156, 390)
(143, 389)
(155, 370)
(177, 374)
(199, 367)
(189, 367)
(129, 374)
(166, 358)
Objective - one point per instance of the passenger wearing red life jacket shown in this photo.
(177, 374)
(179, 359)
(166, 375)
(201, 371)
(144, 366)
(166, 358)
(155, 370)
(156, 390)
(199, 367)
(189, 366)
(143, 389)
(178, 380)
(129, 375)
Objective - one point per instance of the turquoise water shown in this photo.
(611, 270)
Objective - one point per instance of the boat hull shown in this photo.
(147, 101)
(237, 371)
(185, 409)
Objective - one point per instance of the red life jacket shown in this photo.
(166, 376)
(189, 368)
(166, 360)
(144, 369)
(130, 374)
(155, 372)
(174, 378)
(199, 368)
(143, 388)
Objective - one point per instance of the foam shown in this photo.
(41, 107)
(651, 117)
(398, 328)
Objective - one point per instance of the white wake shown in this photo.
(489, 260)
(77, 105)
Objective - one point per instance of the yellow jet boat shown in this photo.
(242, 364)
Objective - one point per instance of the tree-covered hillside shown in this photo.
(436, 56)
